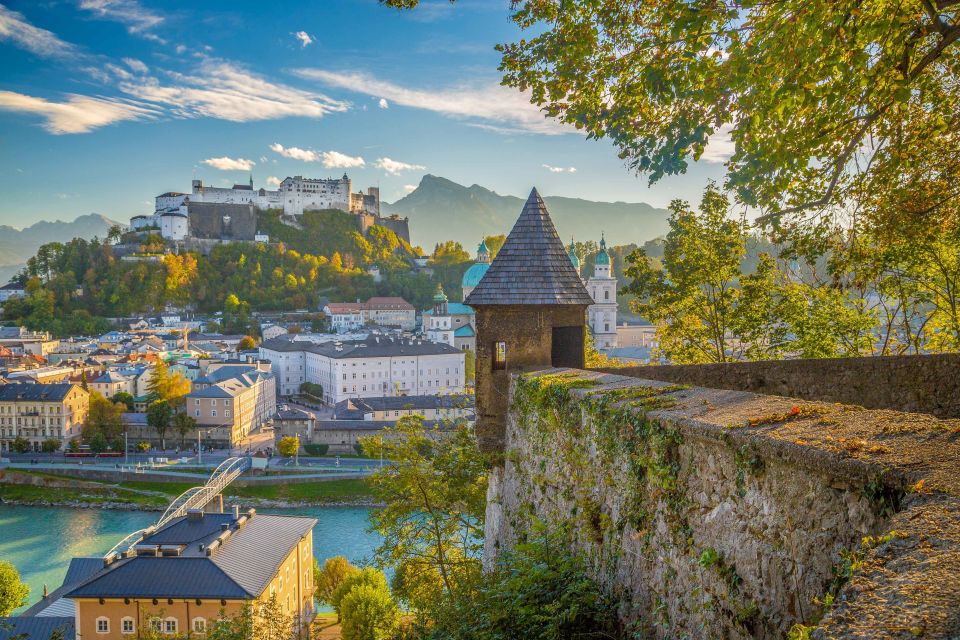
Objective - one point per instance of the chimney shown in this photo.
(195, 514)
(236, 512)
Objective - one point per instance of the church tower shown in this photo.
(440, 323)
(602, 314)
(477, 270)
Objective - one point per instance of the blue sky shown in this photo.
(106, 103)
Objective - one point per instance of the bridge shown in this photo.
(193, 498)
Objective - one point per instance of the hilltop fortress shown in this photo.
(229, 213)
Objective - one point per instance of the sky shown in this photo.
(106, 103)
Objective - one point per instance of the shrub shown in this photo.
(50, 445)
(316, 449)
(288, 446)
(335, 571)
(368, 612)
(366, 576)
(358, 448)
(143, 446)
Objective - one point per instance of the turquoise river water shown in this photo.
(40, 541)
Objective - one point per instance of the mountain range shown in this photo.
(440, 209)
(18, 245)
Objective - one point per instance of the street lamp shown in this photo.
(296, 455)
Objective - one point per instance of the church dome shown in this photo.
(473, 275)
(573, 256)
(603, 258)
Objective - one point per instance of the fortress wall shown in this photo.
(727, 514)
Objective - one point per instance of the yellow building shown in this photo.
(39, 412)
(184, 577)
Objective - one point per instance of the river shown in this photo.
(40, 541)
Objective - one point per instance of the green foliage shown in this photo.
(183, 423)
(123, 398)
(365, 576)
(247, 342)
(312, 389)
(50, 445)
(288, 446)
(368, 612)
(494, 243)
(707, 309)
(449, 262)
(166, 386)
(103, 423)
(536, 590)
(316, 449)
(13, 592)
(159, 414)
(143, 447)
(20, 444)
(335, 570)
(434, 490)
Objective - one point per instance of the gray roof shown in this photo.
(29, 628)
(372, 347)
(35, 392)
(354, 408)
(532, 266)
(373, 425)
(240, 568)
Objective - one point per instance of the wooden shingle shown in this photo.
(532, 267)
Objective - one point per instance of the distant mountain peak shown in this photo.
(441, 209)
(18, 245)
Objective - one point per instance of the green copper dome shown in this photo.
(603, 257)
(439, 296)
(477, 270)
(573, 256)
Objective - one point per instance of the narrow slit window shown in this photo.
(500, 355)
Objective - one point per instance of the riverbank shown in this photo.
(29, 488)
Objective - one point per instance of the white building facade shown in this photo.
(376, 367)
(602, 286)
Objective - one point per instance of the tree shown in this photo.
(164, 385)
(434, 489)
(124, 398)
(246, 343)
(103, 419)
(20, 444)
(143, 446)
(368, 612)
(494, 243)
(270, 622)
(183, 423)
(335, 570)
(50, 445)
(469, 366)
(288, 446)
(159, 413)
(13, 592)
(367, 576)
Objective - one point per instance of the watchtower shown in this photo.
(530, 311)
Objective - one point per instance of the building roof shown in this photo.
(372, 425)
(36, 628)
(474, 274)
(372, 347)
(110, 377)
(52, 392)
(354, 408)
(602, 257)
(388, 303)
(13, 286)
(294, 413)
(466, 331)
(532, 267)
(240, 567)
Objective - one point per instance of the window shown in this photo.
(170, 625)
(126, 625)
(199, 625)
(198, 413)
(500, 355)
(103, 625)
(213, 413)
(606, 294)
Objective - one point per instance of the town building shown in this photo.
(293, 422)
(230, 402)
(602, 287)
(39, 412)
(12, 290)
(392, 408)
(110, 383)
(377, 366)
(380, 311)
(195, 570)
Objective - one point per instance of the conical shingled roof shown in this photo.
(532, 267)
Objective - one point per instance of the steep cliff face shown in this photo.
(727, 514)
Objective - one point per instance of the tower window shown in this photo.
(499, 355)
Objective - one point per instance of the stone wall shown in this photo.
(727, 514)
(927, 383)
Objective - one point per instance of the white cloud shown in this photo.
(395, 167)
(330, 159)
(407, 188)
(137, 19)
(78, 114)
(226, 163)
(181, 49)
(337, 160)
(304, 38)
(720, 146)
(273, 181)
(221, 89)
(137, 65)
(295, 153)
(491, 102)
(553, 169)
(384, 104)
(15, 29)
